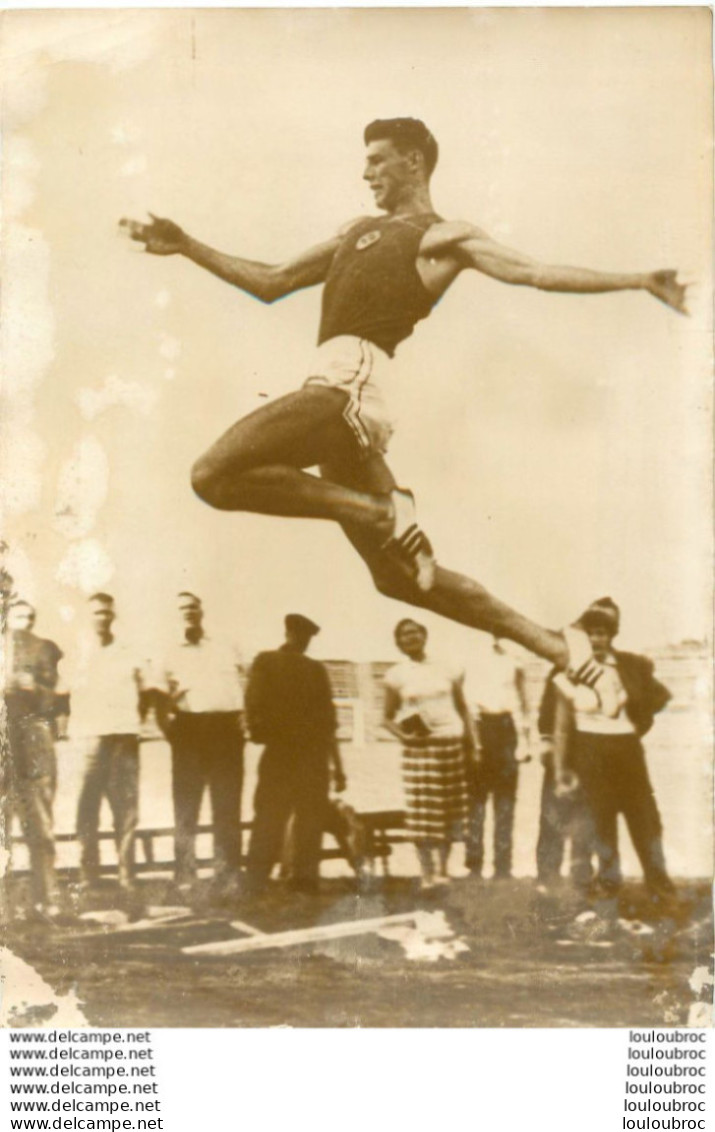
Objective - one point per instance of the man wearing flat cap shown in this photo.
(289, 708)
(597, 746)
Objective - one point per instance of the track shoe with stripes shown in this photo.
(409, 542)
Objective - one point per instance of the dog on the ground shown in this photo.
(353, 836)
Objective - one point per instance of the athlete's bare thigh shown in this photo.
(302, 429)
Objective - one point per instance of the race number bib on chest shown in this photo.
(366, 240)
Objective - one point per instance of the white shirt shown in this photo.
(103, 682)
(491, 687)
(425, 688)
(600, 710)
(204, 677)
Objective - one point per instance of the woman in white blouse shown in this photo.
(425, 709)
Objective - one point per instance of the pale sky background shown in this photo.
(559, 446)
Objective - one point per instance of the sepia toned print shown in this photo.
(251, 776)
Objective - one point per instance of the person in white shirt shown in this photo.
(496, 697)
(597, 748)
(425, 709)
(105, 686)
(204, 725)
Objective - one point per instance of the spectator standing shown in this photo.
(425, 709)
(562, 816)
(107, 706)
(601, 750)
(202, 719)
(289, 706)
(496, 696)
(28, 766)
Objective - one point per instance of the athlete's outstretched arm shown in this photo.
(264, 281)
(474, 248)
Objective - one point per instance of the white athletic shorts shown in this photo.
(358, 367)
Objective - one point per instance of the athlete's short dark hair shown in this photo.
(102, 598)
(405, 134)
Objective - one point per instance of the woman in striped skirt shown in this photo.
(426, 711)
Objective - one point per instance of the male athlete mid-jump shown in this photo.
(381, 275)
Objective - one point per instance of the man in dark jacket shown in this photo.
(597, 747)
(289, 707)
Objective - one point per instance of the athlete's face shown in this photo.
(389, 173)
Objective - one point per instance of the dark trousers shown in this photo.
(293, 786)
(614, 779)
(562, 820)
(497, 776)
(111, 771)
(207, 751)
(27, 788)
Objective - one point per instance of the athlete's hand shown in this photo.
(160, 237)
(664, 285)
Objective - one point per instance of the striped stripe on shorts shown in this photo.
(358, 368)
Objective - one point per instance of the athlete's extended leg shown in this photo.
(257, 464)
(452, 595)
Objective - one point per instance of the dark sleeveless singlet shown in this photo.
(373, 289)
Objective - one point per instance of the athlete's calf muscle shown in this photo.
(460, 599)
